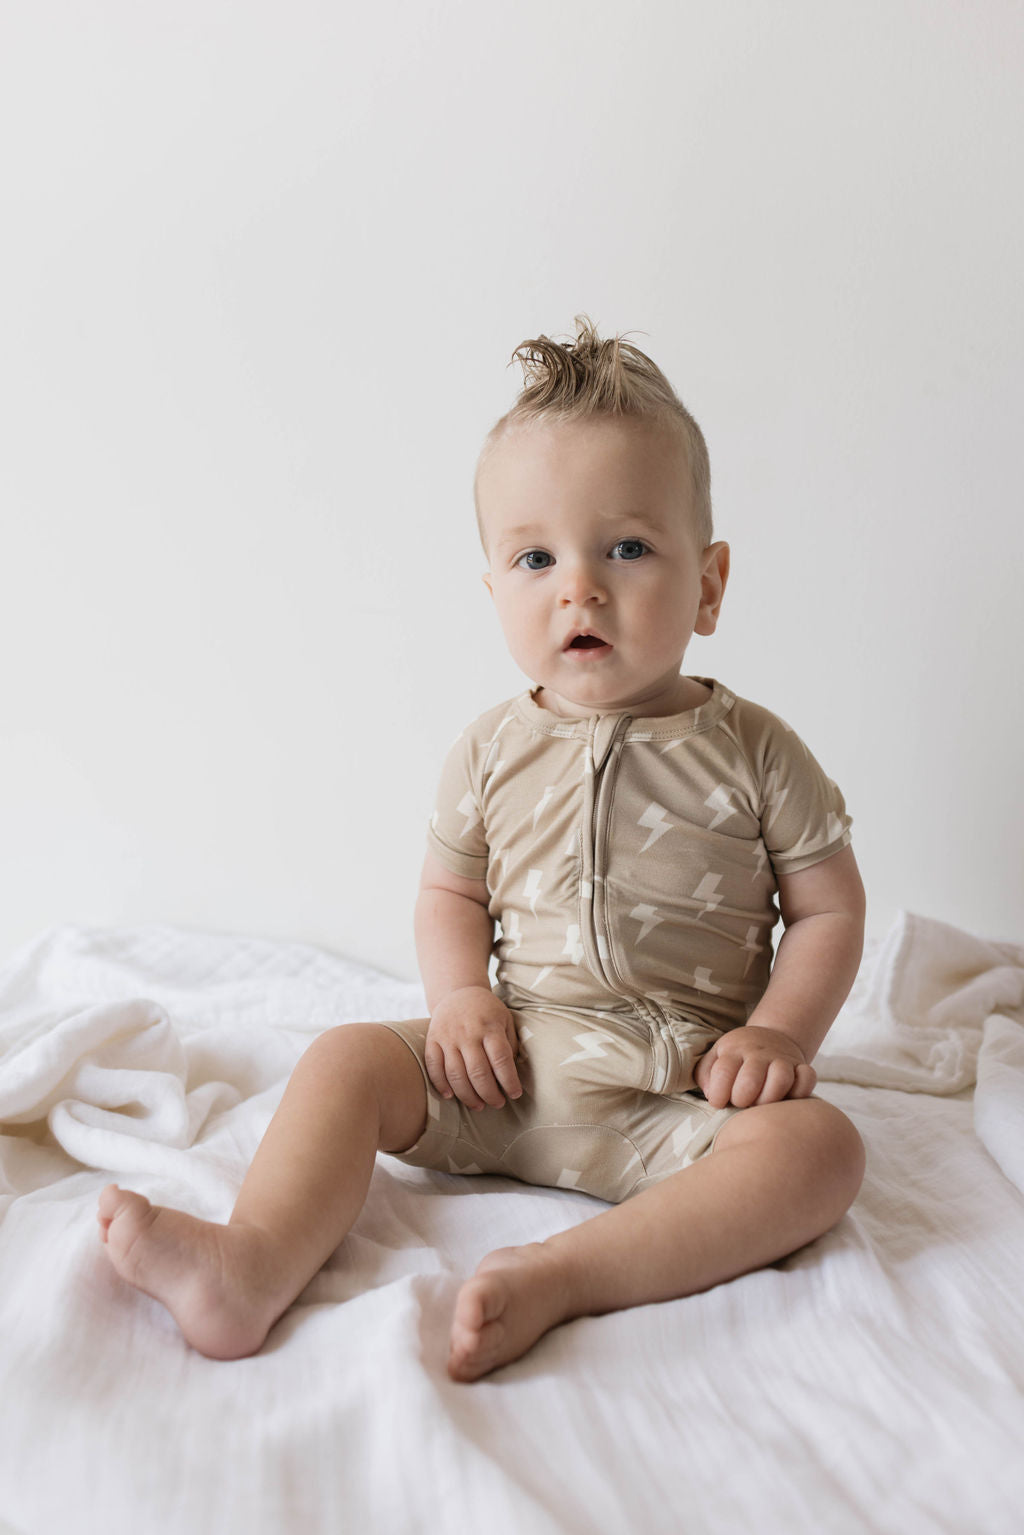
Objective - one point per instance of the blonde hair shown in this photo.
(585, 377)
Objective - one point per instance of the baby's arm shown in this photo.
(818, 955)
(471, 1041)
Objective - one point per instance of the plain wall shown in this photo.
(262, 271)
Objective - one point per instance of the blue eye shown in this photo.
(631, 548)
(527, 560)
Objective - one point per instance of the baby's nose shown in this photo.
(581, 582)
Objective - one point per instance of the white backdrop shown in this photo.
(261, 272)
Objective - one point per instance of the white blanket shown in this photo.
(871, 1382)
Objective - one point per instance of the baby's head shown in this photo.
(594, 380)
(593, 499)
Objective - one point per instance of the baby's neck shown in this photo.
(687, 693)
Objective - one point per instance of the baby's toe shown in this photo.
(123, 1216)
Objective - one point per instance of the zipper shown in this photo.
(604, 750)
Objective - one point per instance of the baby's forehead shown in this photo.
(602, 469)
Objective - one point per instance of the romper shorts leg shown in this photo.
(608, 1108)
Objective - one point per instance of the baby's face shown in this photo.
(595, 567)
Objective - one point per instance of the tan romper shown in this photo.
(631, 866)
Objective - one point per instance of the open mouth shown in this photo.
(587, 645)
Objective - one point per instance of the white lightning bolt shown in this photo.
(568, 1178)
(491, 763)
(751, 947)
(774, 796)
(655, 820)
(702, 980)
(833, 826)
(550, 789)
(510, 929)
(648, 916)
(680, 1141)
(573, 945)
(532, 887)
(719, 801)
(589, 1049)
(760, 860)
(707, 891)
(541, 978)
(467, 806)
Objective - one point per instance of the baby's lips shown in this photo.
(592, 640)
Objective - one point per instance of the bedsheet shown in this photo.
(872, 1381)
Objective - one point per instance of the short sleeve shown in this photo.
(456, 832)
(804, 819)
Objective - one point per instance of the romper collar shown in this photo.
(660, 727)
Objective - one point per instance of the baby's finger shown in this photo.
(719, 1086)
(778, 1082)
(433, 1059)
(459, 1074)
(748, 1083)
(499, 1053)
(702, 1070)
(806, 1082)
(482, 1077)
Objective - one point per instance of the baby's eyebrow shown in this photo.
(636, 521)
(513, 535)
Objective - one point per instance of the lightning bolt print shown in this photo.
(833, 826)
(590, 1048)
(707, 891)
(542, 804)
(492, 763)
(512, 932)
(573, 944)
(719, 802)
(775, 797)
(531, 889)
(648, 917)
(655, 820)
(467, 806)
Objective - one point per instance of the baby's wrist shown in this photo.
(773, 1027)
(436, 998)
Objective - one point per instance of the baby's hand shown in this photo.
(752, 1065)
(470, 1050)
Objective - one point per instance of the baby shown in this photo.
(629, 828)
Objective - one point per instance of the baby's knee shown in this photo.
(356, 1050)
(835, 1145)
(814, 1133)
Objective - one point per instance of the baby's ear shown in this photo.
(714, 577)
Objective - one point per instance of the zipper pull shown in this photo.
(606, 727)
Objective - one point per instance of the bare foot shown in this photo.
(516, 1295)
(218, 1282)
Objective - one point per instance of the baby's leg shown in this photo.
(780, 1175)
(358, 1089)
